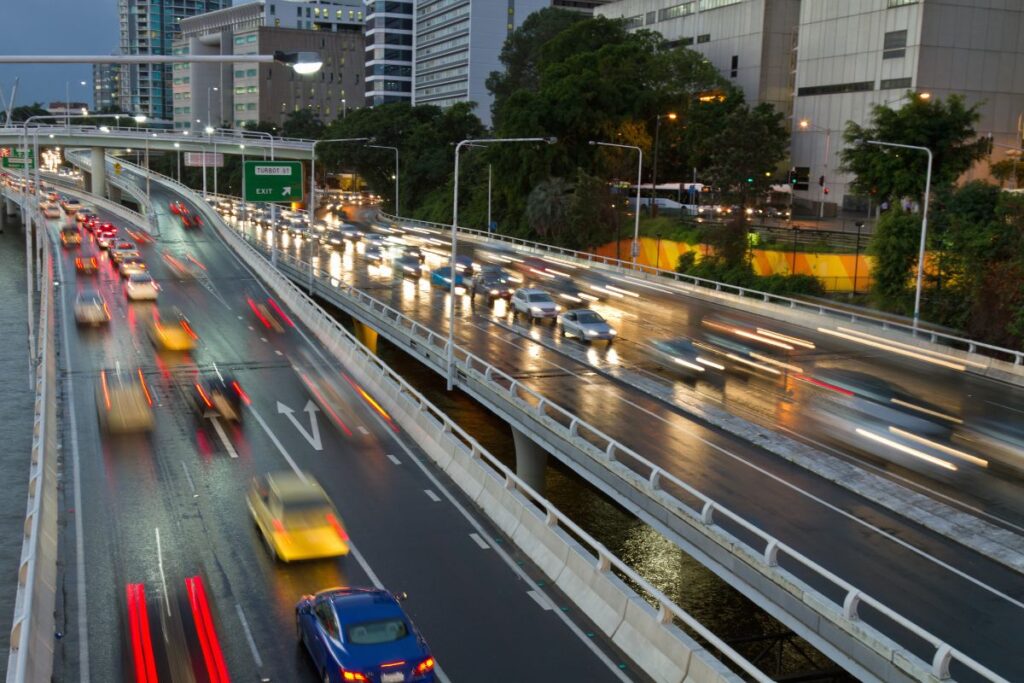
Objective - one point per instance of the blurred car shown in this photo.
(332, 238)
(178, 208)
(296, 518)
(415, 252)
(265, 313)
(409, 266)
(106, 234)
(492, 286)
(350, 233)
(219, 396)
(70, 236)
(374, 238)
(50, 210)
(586, 325)
(186, 220)
(685, 357)
(70, 205)
(535, 303)
(441, 277)
(91, 221)
(362, 634)
(131, 265)
(91, 309)
(463, 264)
(374, 254)
(123, 402)
(140, 287)
(85, 210)
(121, 249)
(86, 265)
(172, 332)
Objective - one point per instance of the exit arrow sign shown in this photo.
(273, 181)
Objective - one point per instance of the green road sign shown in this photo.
(15, 158)
(273, 181)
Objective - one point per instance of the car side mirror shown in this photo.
(401, 596)
(305, 608)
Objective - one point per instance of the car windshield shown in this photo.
(589, 317)
(492, 281)
(141, 279)
(305, 514)
(90, 298)
(376, 632)
(409, 261)
(540, 298)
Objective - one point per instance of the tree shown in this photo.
(894, 248)
(1006, 169)
(944, 127)
(592, 218)
(23, 112)
(303, 124)
(743, 152)
(547, 208)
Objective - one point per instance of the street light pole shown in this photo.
(490, 223)
(455, 231)
(395, 149)
(924, 221)
(635, 251)
(805, 125)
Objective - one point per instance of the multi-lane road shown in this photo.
(159, 509)
(964, 597)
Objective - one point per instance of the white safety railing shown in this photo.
(32, 633)
(766, 553)
(222, 136)
(759, 549)
(627, 267)
(70, 187)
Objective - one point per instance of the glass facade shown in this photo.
(389, 38)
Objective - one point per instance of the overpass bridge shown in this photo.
(881, 594)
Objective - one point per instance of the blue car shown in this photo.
(362, 635)
(440, 277)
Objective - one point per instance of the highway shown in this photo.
(157, 510)
(969, 600)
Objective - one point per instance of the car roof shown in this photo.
(532, 291)
(354, 605)
(290, 488)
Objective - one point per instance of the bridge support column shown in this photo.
(98, 181)
(366, 335)
(10, 207)
(115, 194)
(531, 461)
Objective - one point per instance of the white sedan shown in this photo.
(141, 287)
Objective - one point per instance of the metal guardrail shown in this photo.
(329, 328)
(30, 657)
(697, 509)
(626, 267)
(220, 136)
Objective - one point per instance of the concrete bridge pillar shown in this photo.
(10, 207)
(531, 461)
(98, 179)
(115, 194)
(366, 335)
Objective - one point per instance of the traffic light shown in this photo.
(821, 181)
(750, 180)
(803, 177)
(825, 190)
(792, 176)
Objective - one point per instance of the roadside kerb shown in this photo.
(455, 444)
(989, 360)
(760, 553)
(30, 657)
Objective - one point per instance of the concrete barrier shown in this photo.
(30, 657)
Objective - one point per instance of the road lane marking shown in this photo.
(80, 597)
(273, 438)
(431, 495)
(163, 577)
(541, 600)
(223, 437)
(248, 637)
(394, 459)
(480, 541)
(191, 484)
(363, 430)
(313, 435)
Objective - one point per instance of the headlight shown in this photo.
(534, 309)
(612, 332)
(494, 291)
(557, 307)
(591, 333)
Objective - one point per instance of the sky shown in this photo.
(71, 27)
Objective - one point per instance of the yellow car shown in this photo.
(296, 518)
(174, 335)
(123, 402)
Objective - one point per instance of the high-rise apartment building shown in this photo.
(148, 27)
(458, 44)
(244, 93)
(750, 42)
(389, 43)
(106, 86)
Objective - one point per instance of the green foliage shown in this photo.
(1005, 170)
(946, 127)
(742, 275)
(23, 112)
(894, 248)
(547, 208)
(748, 143)
(303, 124)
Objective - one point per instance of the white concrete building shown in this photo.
(389, 40)
(854, 54)
(751, 42)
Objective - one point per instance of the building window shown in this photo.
(239, 91)
(895, 45)
(273, 9)
(250, 106)
(251, 39)
(239, 73)
(250, 72)
(307, 13)
(277, 22)
(704, 38)
(251, 89)
(239, 107)
(861, 86)
(734, 66)
(298, 11)
(896, 83)
(634, 22)
(239, 40)
(651, 17)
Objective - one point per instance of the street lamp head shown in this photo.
(591, 143)
(302, 62)
(208, 130)
(140, 118)
(82, 82)
(216, 89)
(804, 123)
(672, 116)
(104, 129)
(924, 96)
(551, 140)
(241, 147)
(85, 111)
(176, 145)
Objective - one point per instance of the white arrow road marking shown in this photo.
(313, 435)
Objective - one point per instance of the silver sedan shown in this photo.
(586, 325)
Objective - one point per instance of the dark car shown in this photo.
(362, 634)
(492, 286)
(219, 396)
(409, 266)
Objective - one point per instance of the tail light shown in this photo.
(145, 389)
(338, 528)
(353, 676)
(241, 394)
(188, 329)
(202, 395)
(424, 666)
(278, 527)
